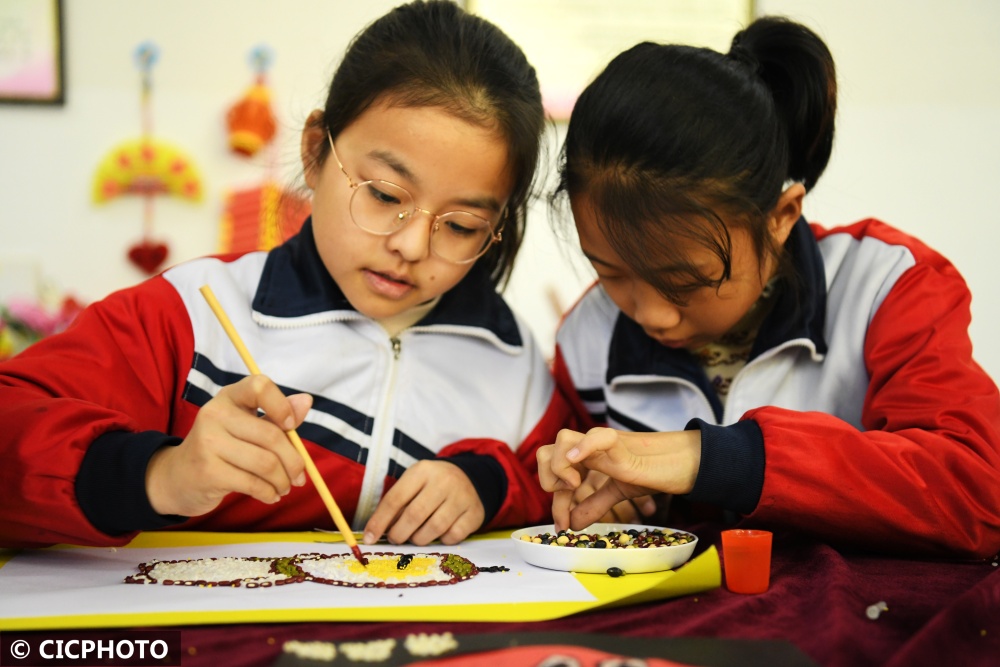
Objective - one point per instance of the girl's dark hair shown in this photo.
(672, 143)
(434, 54)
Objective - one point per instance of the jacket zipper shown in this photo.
(377, 466)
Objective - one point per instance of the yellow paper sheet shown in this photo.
(192, 606)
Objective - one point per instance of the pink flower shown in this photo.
(31, 315)
(40, 321)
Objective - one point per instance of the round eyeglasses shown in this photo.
(383, 208)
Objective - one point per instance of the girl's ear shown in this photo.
(313, 139)
(786, 212)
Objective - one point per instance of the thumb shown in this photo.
(301, 403)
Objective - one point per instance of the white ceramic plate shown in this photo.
(570, 559)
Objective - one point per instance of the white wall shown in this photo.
(918, 136)
(918, 141)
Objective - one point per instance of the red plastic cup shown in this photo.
(746, 558)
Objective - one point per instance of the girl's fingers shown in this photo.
(432, 499)
(259, 392)
(596, 441)
(424, 518)
(466, 524)
(447, 507)
(245, 427)
(562, 467)
(645, 505)
(562, 504)
(258, 447)
(301, 404)
(229, 449)
(249, 484)
(389, 510)
(590, 483)
(449, 523)
(260, 462)
(595, 506)
(563, 470)
(546, 477)
(625, 512)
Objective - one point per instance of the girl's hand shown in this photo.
(432, 500)
(231, 449)
(637, 464)
(633, 510)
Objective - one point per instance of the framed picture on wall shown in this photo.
(31, 52)
(570, 41)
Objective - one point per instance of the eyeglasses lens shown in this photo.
(380, 207)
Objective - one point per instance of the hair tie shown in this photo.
(740, 54)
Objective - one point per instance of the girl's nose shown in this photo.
(653, 312)
(413, 240)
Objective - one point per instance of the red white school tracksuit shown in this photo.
(860, 417)
(81, 412)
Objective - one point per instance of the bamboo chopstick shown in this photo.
(313, 472)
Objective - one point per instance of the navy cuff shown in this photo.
(487, 476)
(111, 483)
(731, 475)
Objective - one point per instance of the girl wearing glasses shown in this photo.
(421, 397)
(733, 355)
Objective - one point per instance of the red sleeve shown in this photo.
(525, 503)
(114, 369)
(923, 476)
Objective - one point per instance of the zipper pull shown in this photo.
(396, 347)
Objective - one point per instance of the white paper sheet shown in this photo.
(89, 581)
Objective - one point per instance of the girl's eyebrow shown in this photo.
(388, 159)
(391, 161)
(598, 260)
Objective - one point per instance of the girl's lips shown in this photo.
(387, 284)
(676, 344)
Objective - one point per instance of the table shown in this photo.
(939, 613)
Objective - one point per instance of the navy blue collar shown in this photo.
(800, 309)
(295, 283)
(799, 312)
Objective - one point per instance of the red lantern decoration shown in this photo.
(251, 123)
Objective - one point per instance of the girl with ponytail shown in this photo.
(734, 356)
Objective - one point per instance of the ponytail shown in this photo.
(797, 67)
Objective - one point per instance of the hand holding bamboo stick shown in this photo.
(311, 470)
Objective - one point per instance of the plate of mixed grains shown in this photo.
(605, 548)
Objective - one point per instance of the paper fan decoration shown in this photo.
(149, 168)
(146, 167)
